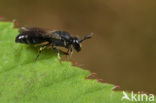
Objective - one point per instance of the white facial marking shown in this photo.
(77, 41)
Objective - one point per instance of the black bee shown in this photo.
(52, 39)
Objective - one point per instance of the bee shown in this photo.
(50, 39)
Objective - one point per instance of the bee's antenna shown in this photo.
(87, 37)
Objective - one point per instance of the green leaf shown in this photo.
(45, 81)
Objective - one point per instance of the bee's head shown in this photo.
(77, 43)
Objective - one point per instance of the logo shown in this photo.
(137, 97)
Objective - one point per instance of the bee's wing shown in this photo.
(22, 29)
(54, 34)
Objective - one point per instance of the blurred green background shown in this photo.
(123, 49)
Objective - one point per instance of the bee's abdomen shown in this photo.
(30, 39)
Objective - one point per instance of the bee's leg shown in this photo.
(69, 52)
(39, 52)
(67, 56)
(58, 53)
